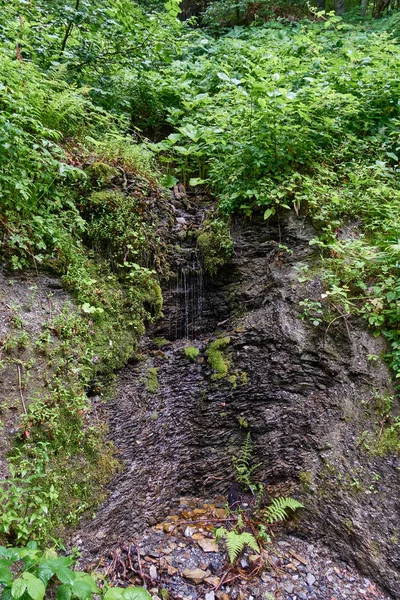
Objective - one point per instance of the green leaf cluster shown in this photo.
(26, 574)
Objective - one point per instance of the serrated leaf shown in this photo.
(45, 572)
(64, 592)
(6, 594)
(34, 586)
(64, 574)
(81, 589)
(51, 554)
(32, 545)
(18, 587)
(6, 577)
(88, 579)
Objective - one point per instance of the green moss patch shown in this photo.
(216, 358)
(191, 352)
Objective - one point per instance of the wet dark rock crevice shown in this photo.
(303, 395)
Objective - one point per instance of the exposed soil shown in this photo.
(27, 302)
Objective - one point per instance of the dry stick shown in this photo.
(50, 309)
(140, 564)
(20, 388)
(222, 580)
(132, 568)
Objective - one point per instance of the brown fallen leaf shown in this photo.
(195, 575)
(208, 545)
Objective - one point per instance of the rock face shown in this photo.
(308, 397)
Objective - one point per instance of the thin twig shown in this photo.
(20, 388)
(222, 580)
(140, 564)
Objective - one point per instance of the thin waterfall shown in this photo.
(187, 301)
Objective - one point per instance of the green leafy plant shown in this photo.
(244, 470)
(278, 509)
(236, 542)
(28, 572)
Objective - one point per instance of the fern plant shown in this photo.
(235, 542)
(278, 509)
(243, 467)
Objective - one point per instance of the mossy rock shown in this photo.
(216, 358)
(215, 244)
(191, 352)
(152, 384)
(100, 174)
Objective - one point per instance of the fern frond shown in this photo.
(278, 509)
(250, 541)
(220, 533)
(235, 543)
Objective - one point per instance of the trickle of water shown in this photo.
(187, 301)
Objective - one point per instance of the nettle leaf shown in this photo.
(45, 572)
(88, 579)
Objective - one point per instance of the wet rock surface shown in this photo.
(306, 394)
(171, 561)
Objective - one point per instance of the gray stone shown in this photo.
(310, 579)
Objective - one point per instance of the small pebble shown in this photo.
(310, 579)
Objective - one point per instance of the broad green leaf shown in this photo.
(34, 586)
(136, 593)
(64, 574)
(64, 592)
(113, 593)
(45, 572)
(88, 579)
(196, 181)
(6, 594)
(269, 212)
(169, 181)
(81, 589)
(18, 587)
(6, 577)
(223, 76)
